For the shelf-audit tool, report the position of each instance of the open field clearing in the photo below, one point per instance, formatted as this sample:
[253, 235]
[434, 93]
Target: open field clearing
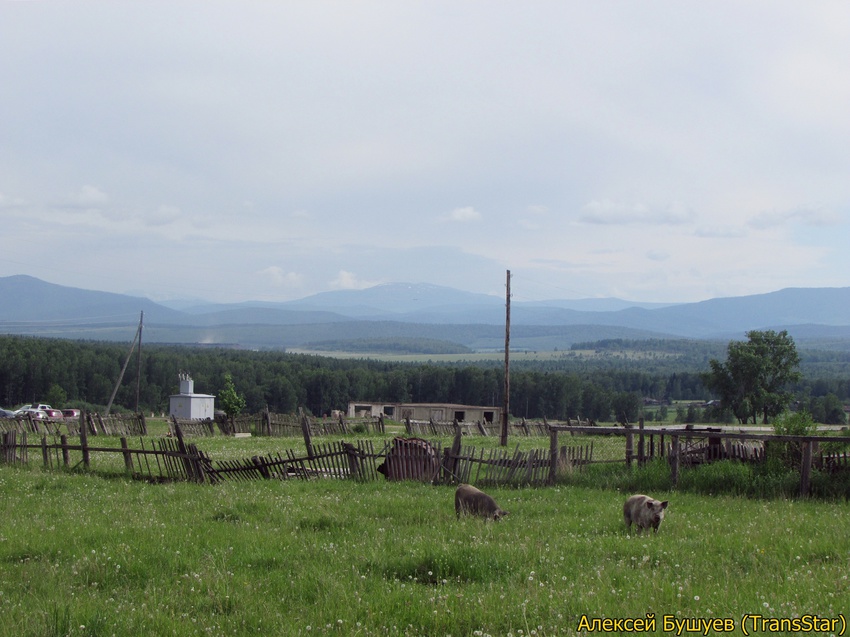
[85, 555]
[516, 356]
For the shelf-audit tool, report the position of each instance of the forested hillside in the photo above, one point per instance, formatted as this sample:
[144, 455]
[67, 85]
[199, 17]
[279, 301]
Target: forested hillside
[611, 383]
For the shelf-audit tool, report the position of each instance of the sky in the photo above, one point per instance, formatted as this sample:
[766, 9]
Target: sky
[660, 151]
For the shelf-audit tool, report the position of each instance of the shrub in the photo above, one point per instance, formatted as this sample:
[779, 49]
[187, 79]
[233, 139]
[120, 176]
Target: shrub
[798, 423]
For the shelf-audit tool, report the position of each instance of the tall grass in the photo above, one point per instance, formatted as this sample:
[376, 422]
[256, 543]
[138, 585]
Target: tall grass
[85, 555]
[770, 479]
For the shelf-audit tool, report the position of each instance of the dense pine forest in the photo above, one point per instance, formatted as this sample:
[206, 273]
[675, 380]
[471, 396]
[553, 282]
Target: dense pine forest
[609, 384]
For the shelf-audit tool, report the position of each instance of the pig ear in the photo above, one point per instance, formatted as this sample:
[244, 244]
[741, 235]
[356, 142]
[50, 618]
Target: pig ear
[664, 504]
[648, 504]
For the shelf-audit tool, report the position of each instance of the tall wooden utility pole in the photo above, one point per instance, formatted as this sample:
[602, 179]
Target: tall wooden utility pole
[138, 337]
[503, 441]
[139, 363]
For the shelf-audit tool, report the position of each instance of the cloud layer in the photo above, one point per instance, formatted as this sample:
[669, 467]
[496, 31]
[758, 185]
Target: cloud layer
[251, 150]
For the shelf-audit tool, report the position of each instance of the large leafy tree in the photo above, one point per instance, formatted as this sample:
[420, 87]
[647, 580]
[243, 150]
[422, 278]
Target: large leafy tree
[753, 380]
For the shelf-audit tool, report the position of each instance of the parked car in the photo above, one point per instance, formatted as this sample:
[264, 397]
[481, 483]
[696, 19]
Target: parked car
[35, 414]
[5, 413]
[70, 413]
[37, 406]
[53, 413]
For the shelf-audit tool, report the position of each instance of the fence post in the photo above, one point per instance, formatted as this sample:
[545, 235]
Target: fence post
[353, 461]
[806, 469]
[674, 460]
[84, 439]
[128, 459]
[641, 453]
[66, 456]
[553, 455]
[189, 466]
[305, 429]
[450, 456]
[630, 442]
[44, 453]
[197, 464]
[261, 467]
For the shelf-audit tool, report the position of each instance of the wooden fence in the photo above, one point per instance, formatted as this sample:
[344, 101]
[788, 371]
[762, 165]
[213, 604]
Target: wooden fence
[25, 423]
[694, 446]
[172, 458]
[94, 424]
[279, 425]
[479, 428]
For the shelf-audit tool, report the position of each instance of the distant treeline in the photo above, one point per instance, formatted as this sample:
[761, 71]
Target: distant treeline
[84, 374]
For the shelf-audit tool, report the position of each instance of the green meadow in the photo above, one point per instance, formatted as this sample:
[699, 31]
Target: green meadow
[89, 554]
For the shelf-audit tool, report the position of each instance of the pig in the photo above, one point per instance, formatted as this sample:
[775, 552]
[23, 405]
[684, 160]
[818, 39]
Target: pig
[468, 499]
[644, 511]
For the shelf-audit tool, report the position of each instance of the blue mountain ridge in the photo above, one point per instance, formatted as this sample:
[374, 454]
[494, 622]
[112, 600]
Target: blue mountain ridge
[28, 303]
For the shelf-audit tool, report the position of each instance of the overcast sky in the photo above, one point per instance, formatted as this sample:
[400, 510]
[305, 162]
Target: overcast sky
[229, 151]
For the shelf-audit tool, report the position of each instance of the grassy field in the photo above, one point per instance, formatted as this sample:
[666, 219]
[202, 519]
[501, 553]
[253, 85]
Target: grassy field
[490, 356]
[86, 555]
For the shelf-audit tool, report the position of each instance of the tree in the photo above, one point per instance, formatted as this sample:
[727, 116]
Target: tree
[791, 424]
[627, 406]
[752, 381]
[828, 410]
[230, 401]
[56, 396]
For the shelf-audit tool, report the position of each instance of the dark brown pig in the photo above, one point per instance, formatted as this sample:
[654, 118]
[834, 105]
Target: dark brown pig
[470, 500]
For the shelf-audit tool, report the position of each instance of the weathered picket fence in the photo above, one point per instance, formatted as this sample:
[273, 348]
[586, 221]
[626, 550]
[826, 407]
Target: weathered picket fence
[267, 423]
[478, 428]
[692, 446]
[172, 458]
[94, 423]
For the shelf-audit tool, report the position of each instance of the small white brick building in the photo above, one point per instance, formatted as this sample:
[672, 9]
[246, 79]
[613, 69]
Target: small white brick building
[188, 404]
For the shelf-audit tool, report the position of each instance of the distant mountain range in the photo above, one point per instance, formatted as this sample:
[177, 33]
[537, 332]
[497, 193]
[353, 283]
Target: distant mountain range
[818, 316]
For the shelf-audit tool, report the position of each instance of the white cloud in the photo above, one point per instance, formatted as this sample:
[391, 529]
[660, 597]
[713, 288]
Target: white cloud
[804, 216]
[721, 232]
[464, 215]
[90, 196]
[635, 146]
[162, 216]
[10, 202]
[607, 212]
[350, 281]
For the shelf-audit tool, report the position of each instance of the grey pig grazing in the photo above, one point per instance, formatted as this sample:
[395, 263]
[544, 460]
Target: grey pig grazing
[644, 511]
[468, 499]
